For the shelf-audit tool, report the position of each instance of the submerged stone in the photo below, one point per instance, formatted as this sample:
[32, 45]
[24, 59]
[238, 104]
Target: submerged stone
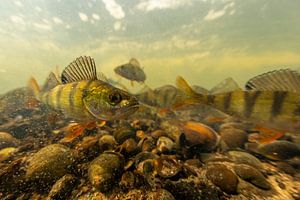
[49, 163]
[252, 175]
[222, 177]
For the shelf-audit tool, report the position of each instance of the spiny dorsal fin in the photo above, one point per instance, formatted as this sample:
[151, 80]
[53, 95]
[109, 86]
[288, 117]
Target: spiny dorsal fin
[277, 80]
[50, 82]
[184, 86]
[227, 85]
[83, 68]
[102, 77]
[134, 62]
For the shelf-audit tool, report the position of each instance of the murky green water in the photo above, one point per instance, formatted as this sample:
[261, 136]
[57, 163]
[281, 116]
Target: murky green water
[202, 40]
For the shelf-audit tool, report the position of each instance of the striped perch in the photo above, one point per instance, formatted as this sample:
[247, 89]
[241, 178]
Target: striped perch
[81, 96]
[271, 99]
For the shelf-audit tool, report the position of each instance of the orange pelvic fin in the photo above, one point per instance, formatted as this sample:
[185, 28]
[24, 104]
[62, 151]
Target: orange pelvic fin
[73, 131]
[265, 135]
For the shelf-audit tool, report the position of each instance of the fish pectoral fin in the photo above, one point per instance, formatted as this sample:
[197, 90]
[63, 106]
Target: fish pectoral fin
[265, 135]
[73, 130]
[83, 68]
[132, 83]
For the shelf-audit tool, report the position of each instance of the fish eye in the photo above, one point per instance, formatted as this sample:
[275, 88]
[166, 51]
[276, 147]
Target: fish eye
[114, 98]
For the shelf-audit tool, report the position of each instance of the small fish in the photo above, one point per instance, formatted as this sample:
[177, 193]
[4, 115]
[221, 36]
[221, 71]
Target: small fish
[162, 97]
[131, 71]
[82, 96]
[277, 150]
[276, 106]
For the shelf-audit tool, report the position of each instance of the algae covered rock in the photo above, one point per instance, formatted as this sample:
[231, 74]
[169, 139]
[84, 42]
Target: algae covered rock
[49, 163]
[222, 177]
[7, 140]
[252, 175]
[104, 169]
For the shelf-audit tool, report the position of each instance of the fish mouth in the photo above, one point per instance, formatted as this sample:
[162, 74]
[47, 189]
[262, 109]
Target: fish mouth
[129, 110]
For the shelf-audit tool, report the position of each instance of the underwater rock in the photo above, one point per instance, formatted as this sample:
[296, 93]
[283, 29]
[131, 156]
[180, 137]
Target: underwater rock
[159, 194]
[129, 146]
[6, 153]
[277, 150]
[158, 133]
[286, 168]
[62, 188]
[146, 144]
[252, 175]
[241, 157]
[165, 145]
[222, 177]
[234, 138]
[214, 157]
[49, 163]
[127, 180]
[195, 135]
[107, 142]
[123, 133]
[234, 125]
[147, 167]
[188, 189]
[135, 194]
[169, 167]
[105, 169]
[7, 140]
[87, 149]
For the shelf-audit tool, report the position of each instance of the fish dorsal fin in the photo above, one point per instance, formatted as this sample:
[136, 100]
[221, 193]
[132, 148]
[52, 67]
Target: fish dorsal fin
[83, 68]
[50, 82]
[102, 77]
[227, 85]
[277, 80]
[134, 62]
[184, 86]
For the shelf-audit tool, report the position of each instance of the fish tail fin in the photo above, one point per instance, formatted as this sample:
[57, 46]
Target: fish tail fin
[34, 86]
[188, 96]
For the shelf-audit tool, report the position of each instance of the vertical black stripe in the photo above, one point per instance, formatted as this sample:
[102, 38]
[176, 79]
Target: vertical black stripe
[250, 99]
[227, 101]
[278, 99]
[73, 92]
[211, 99]
[297, 110]
[58, 96]
[48, 101]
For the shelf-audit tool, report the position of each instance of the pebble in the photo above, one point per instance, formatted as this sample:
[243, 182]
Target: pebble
[160, 194]
[234, 138]
[49, 163]
[62, 188]
[222, 177]
[105, 169]
[241, 157]
[7, 140]
[165, 144]
[252, 175]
